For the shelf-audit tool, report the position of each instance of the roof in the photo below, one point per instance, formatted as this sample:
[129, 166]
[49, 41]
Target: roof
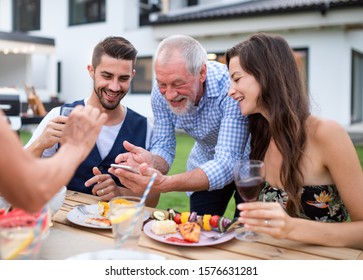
[20, 42]
[22, 37]
[251, 8]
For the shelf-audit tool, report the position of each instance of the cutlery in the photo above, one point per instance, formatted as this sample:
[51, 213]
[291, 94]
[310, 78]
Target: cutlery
[82, 208]
[216, 237]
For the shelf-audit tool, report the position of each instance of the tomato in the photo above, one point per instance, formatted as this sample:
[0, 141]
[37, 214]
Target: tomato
[177, 218]
[214, 221]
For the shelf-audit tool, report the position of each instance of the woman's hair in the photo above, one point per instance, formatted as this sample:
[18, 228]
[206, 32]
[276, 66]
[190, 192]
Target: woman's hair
[271, 61]
[115, 47]
[193, 53]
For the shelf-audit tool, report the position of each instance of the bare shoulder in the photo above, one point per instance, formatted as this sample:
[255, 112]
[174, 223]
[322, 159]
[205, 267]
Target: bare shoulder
[324, 131]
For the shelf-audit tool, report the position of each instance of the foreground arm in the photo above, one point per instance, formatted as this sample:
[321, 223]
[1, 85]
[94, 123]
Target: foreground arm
[28, 182]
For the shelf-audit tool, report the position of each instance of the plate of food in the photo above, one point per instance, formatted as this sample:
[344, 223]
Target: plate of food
[97, 217]
[189, 229]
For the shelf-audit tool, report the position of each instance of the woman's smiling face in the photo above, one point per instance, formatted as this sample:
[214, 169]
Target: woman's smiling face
[244, 88]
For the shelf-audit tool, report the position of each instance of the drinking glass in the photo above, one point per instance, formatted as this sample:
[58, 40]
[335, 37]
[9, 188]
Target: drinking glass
[21, 234]
[126, 215]
[249, 177]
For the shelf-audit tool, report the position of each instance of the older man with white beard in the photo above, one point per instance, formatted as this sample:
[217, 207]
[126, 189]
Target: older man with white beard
[191, 94]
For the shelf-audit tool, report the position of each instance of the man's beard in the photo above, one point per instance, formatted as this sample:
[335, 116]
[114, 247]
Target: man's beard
[105, 103]
[187, 109]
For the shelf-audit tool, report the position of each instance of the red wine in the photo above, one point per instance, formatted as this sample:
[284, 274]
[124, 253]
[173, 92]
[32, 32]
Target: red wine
[249, 188]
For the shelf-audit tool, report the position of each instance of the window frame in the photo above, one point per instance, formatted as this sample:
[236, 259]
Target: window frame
[305, 65]
[32, 20]
[220, 57]
[356, 99]
[74, 20]
[144, 75]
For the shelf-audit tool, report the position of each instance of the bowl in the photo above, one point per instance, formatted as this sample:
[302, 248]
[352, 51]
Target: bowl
[57, 201]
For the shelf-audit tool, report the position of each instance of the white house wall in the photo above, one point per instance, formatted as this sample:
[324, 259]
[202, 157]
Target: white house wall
[329, 44]
[74, 45]
[5, 15]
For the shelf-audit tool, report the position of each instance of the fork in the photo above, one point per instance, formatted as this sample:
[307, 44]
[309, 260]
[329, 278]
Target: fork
[216, 237]
[82, 208]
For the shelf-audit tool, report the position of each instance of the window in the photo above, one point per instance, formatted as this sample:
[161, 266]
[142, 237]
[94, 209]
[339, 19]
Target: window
[301, 57]
[143, 79]
[86, 11]
[26, 15]
[357, 88]
[146, 7]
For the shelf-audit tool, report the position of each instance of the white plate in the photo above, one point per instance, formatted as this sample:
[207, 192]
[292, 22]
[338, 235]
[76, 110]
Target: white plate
[116, 255]
[203, 238]
[76, 217]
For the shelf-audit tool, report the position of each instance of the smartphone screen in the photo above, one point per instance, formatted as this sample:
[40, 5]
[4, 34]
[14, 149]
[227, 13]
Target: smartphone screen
[126, 167]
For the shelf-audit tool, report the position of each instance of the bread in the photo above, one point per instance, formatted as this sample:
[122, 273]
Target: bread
[163, 227]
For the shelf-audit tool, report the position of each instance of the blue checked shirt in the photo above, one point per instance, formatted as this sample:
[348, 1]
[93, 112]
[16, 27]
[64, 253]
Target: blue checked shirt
[217, 126]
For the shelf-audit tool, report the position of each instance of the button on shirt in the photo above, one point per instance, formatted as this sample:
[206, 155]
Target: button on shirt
[217, 126]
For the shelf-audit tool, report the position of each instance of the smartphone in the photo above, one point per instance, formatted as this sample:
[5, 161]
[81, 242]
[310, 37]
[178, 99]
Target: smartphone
[126, 167]
[66, 111]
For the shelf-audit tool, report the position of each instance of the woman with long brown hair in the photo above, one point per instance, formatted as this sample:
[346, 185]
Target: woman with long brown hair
[312, 168]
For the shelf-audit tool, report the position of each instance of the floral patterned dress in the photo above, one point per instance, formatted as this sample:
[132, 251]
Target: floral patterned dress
[321, 203]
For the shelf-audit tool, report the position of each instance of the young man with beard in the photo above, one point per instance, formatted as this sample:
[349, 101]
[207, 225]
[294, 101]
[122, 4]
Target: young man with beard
[191, 94]
[112, 70]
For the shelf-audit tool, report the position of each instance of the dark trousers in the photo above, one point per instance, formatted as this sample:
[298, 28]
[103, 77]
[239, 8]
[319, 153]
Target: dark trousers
[214, 202]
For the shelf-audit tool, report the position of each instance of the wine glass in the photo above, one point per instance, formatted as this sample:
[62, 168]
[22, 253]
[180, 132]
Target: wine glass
[249, 177]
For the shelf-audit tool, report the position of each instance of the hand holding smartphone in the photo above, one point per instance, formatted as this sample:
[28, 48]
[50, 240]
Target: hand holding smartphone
[126, 167]
[66, 111]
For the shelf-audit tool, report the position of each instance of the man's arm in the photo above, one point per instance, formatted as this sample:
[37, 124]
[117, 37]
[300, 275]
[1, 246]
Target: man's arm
[47, 134]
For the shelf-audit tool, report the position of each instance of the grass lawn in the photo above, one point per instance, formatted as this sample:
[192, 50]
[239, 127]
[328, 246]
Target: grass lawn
[359, 150]
[179, 200]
